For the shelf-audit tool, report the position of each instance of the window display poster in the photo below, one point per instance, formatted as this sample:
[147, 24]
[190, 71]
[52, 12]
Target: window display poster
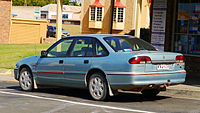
[197, 9]
[158, 24]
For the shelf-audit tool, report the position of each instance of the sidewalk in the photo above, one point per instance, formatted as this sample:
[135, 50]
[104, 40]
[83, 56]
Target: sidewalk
[191, 87]
[7, 75]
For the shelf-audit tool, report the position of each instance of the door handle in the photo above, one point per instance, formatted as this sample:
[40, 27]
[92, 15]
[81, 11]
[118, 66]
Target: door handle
[86, 61]
[61, 61]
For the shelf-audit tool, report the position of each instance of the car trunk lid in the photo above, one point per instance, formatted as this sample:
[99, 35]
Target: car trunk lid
[160, 61]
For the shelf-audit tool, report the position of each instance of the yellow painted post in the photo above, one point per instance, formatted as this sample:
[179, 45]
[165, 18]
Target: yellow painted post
[138, 18]
[59, 19]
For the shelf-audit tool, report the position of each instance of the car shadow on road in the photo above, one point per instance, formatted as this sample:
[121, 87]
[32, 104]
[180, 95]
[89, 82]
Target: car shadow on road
[135, 97]
[84, 94]
[192, 79]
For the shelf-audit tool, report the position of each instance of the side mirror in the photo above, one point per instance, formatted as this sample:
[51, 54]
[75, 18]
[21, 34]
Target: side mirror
[44, 53]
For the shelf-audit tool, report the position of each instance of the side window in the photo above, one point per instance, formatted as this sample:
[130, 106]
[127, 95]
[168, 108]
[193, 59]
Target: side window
[100, 50]
[113, 43]
[61, 49]
[82, 47]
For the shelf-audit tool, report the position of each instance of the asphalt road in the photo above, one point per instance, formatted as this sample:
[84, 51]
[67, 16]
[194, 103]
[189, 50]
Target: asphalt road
[68, 100]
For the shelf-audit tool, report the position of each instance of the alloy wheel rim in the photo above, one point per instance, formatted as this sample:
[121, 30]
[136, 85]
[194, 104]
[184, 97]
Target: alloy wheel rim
[96, 87]
[25, 80]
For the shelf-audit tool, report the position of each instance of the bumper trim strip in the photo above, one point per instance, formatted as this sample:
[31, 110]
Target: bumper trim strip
[145, 74]
[61, 73]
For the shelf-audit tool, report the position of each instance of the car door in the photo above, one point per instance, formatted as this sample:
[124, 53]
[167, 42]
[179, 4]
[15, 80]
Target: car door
[50, 69]
[78, 62]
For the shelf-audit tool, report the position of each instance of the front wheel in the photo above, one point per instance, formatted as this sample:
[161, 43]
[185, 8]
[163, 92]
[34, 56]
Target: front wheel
[26, 80]
[98, 87]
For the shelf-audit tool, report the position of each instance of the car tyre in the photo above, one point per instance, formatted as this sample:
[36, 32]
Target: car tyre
[150, 92]
[26, 80]
[98, 87]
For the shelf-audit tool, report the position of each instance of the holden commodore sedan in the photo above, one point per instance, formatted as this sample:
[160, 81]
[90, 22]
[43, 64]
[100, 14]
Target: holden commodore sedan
[104, 64]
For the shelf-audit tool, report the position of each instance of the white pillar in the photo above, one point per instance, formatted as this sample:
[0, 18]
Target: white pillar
[138, 18]
[59, 19]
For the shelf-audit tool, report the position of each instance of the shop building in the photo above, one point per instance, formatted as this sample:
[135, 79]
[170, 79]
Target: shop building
[127, 16]
[175, 27]
[70, 14]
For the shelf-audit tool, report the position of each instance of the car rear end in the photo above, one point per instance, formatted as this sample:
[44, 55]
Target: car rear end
[155, 70]
[159, 69]
[144, 68]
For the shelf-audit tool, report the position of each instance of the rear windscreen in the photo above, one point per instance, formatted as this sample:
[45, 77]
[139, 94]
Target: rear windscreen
[127, 44]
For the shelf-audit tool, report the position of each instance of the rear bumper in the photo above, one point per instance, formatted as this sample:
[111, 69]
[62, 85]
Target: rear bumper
[139, 80]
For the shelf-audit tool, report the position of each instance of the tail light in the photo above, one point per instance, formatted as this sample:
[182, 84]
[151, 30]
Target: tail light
[180, 59]
[140, 60]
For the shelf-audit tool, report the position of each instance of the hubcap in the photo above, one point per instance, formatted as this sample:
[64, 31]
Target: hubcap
[96, 87]
[25, 80]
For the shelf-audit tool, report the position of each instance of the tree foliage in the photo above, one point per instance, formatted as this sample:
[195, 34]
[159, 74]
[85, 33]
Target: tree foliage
[66, 2]
[41, 2]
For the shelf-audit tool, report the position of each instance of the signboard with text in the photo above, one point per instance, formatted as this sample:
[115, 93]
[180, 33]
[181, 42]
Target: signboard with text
[158, 24]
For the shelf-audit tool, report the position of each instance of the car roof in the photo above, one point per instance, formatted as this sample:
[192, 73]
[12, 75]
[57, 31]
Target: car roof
[100, 35]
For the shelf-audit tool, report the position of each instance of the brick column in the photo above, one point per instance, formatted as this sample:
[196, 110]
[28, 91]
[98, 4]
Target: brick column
[5, 19]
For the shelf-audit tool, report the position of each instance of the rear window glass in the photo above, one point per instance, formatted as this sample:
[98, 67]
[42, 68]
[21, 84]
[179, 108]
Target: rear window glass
[127, 44]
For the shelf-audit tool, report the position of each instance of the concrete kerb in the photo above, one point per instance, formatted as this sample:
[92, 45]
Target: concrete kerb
[6, 71]
[186, 90]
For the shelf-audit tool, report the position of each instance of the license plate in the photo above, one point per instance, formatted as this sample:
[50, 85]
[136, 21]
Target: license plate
[163, 67]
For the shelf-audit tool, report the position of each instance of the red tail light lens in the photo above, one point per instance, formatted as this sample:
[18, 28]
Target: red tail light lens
[180, 59]
[140, 60]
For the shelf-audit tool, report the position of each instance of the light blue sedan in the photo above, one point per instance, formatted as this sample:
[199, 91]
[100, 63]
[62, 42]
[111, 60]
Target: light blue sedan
[105, 64]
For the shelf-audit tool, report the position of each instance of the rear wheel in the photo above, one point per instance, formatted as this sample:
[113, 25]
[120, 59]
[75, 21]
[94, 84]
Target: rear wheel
[98, 87]
[26, 79]
[150, 92]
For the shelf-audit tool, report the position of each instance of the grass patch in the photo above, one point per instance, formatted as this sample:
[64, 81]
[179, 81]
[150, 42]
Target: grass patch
[11, 53]
[72, 29]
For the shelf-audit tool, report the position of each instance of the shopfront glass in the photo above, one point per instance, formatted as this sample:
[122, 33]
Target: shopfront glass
[187, 33]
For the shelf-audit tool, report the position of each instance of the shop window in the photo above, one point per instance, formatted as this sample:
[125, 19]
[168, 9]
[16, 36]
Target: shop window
[118, 15]
[115, 15]
[43, 16]
[99, 13]
[65, 16]
[96, 15]
[187, 31]
[92, 13]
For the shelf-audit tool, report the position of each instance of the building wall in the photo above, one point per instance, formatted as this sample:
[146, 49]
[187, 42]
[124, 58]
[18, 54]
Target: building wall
[28, 31]
[191, 61]
[5, 15]
[129, 22]
[169, 21]
[145, 20]
[52, 15]
[26, 12]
